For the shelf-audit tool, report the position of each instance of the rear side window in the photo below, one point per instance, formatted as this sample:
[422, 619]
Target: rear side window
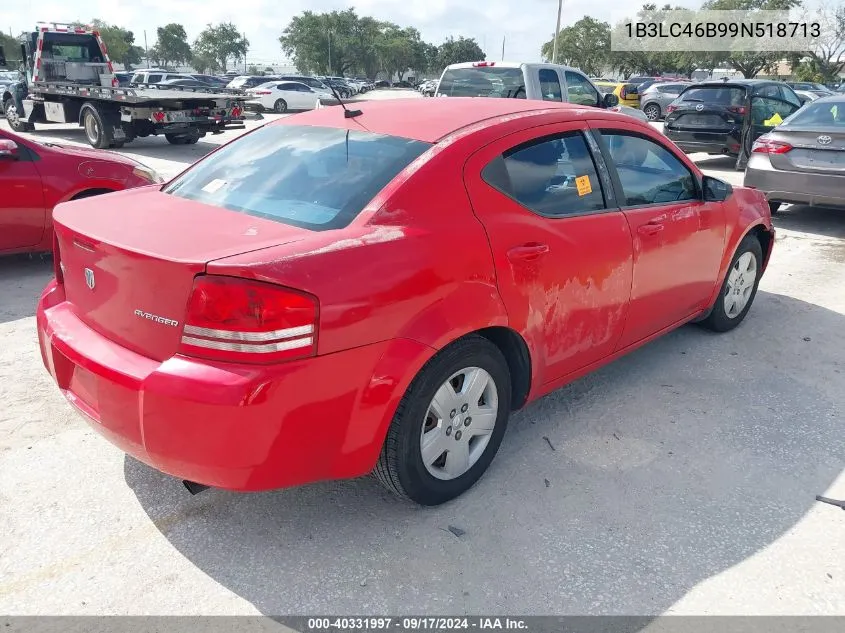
[672, 90]
[484, 81]
[718, 95]
[153, 79]
[312, 177]
[553, 176]
[550, 85]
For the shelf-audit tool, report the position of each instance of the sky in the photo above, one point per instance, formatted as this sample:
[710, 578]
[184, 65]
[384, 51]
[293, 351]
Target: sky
[524, 24]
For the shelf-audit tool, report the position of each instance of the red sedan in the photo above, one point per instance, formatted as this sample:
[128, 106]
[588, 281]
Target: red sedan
[38, 176]
[332, 295]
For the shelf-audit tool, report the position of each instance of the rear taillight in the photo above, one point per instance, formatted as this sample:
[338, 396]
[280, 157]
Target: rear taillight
[671, 108]
[623, 93]
[240, 320]
[737, 109]
[483, 64]
[767, 146]
[261, 92]
[57, 260]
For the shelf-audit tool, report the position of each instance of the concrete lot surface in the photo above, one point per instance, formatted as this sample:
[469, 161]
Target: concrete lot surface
[680, 479]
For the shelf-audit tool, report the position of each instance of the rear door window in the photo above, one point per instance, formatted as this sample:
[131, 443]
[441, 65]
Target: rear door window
[312, 177]
[483, 81]
[153, 79]
[554, 176]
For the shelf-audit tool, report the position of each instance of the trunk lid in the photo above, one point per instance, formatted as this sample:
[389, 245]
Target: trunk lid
[129, 260]
[814, 149]
[715, 109]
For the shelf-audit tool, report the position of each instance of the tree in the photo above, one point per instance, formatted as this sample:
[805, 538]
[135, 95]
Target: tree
[269, 70]
[749, 63]
[203, 64]
[327, 43]
[221, 43]
[253, 70]
[400, 50]
[172, 46]
[120, 42]
[826, 60]
[584, 45]
[12, 50]
[455, 51]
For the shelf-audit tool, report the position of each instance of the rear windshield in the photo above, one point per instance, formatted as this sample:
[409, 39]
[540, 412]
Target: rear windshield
[489, 81]
[312, 177]
[826, 114]
[716, 95]
[606, 89]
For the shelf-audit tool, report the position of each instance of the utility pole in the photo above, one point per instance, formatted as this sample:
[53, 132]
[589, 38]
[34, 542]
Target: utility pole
[329, 33]
[146, 50]
[503, 48]
[557, 31]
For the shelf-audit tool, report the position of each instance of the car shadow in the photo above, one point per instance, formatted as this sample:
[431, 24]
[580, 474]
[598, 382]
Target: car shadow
[817, 220]
[22, 278]
[615, 495]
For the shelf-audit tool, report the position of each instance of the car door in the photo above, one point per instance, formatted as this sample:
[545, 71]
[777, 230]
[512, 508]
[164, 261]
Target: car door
[678, 238]
[23, 213]
[561, 247]
[769, 108]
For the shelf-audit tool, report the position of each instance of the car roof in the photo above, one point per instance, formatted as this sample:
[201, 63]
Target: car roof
[430, 120]
[508, 65]
[744, 83]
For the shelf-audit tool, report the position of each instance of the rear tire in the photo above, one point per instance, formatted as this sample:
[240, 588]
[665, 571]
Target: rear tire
[652, 111]
[457, 453]
[190, 138]
[738, 290]
[280, 106]
[93, 123]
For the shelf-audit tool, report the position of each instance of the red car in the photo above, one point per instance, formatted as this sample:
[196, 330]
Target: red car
[36, 177]
[335, 294]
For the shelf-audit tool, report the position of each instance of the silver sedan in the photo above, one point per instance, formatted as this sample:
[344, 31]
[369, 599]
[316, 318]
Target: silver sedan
[803, 159]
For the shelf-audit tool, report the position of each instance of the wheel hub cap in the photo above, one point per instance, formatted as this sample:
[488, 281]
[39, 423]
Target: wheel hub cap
[459, 423]
[740, 285]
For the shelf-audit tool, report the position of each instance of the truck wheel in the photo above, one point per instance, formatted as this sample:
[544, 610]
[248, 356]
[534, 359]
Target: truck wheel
[14, 120]
[96, 131]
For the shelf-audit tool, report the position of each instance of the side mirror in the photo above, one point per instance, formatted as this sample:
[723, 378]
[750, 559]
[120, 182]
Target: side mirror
[8, 149]
[716, 190]
[610, 100]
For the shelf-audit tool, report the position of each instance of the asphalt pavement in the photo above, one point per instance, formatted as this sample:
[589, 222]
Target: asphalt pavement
[680, 479]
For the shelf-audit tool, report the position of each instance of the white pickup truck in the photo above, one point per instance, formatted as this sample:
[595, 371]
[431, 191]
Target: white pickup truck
[542, 82]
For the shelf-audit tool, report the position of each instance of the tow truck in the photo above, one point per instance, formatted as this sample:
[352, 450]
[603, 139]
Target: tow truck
[67, 77]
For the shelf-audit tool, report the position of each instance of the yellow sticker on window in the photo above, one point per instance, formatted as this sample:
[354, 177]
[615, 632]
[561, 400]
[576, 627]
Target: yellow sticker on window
[774, 121]
[584, 186]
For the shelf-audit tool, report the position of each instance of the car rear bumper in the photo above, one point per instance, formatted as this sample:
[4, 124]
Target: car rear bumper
[240, 427]
[709, 142]
[797, 187]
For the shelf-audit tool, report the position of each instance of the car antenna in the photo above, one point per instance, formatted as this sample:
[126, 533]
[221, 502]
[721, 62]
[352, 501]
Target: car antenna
[347, 113]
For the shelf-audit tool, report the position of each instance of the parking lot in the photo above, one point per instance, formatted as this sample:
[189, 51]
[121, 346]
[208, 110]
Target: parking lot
[680, 479]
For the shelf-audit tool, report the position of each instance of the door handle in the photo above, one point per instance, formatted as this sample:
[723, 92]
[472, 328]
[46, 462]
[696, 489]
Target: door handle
[527, 252]
[650, 229]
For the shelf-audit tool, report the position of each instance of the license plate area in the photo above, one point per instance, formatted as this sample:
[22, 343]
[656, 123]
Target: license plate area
[83, 386]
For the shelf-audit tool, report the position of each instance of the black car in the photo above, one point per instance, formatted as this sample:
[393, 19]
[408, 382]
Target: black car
[726, 117]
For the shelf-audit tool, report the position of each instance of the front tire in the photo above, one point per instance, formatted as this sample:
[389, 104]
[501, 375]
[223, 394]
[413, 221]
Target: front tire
[13, 118]
[449, 425]
[739, 287]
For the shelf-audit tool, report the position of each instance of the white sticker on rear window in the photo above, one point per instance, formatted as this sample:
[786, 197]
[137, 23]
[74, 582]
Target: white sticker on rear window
[214, 185]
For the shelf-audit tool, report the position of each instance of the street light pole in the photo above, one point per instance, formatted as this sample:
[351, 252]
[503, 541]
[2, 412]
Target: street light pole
[557, 31]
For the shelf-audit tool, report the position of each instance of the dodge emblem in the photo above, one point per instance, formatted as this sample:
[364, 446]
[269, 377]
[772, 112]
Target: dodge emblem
[824, 139]
[89, 278]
